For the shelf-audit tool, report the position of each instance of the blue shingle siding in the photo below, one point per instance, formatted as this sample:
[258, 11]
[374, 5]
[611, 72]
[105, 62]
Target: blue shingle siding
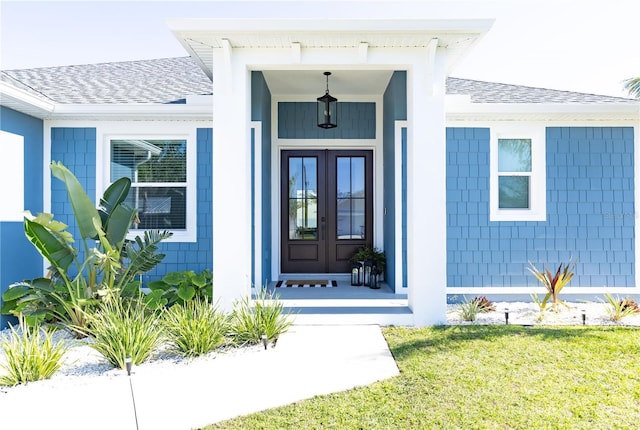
[76, 149]
[394, 109]
[196, 256]
[590, 211]
[298, 120]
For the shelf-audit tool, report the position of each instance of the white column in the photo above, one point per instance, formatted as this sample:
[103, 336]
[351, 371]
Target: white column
[426, 191]
[231, 179]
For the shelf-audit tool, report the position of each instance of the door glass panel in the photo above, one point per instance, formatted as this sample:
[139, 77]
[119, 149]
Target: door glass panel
[303, 198]
[350, 204]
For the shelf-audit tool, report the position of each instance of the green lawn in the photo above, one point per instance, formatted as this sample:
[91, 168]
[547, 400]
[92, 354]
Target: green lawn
[478, 377]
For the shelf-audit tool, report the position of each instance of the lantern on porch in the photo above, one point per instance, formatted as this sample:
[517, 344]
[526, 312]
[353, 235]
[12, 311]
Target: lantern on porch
[327, 108]
[367, 268]
[356, 274]
[374, 279]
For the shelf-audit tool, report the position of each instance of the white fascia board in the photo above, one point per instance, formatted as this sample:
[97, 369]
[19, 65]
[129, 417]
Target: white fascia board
[256, 25]
[133, 111]
[459, 109]
[16, 95]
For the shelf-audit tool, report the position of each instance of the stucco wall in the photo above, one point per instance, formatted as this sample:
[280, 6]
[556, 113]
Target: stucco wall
[590, 207]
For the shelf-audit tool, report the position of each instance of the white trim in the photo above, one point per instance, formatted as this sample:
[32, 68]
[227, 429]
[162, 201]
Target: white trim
[398, 126]
[540, 290]
[12, 177]
[538, 183]
[153, 131]
[636, 184]
[280, 144]
[257, 210]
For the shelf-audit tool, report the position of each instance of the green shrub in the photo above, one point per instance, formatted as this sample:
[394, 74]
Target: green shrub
[265, 315]
[469, 310]
[620, 308]
[195, 327]
[553, 283]
[125, 328]
[484, 304]
[30, 355]
[180, 287]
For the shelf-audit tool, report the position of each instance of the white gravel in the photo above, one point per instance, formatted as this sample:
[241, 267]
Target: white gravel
[522, 313]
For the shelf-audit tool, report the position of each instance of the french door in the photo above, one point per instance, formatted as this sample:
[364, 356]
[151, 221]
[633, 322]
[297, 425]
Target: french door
[327, 209]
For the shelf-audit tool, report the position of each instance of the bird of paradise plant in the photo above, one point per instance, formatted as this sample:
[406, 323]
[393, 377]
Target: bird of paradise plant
[553, 283]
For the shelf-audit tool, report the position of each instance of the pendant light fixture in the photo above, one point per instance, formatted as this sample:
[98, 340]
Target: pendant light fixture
[327, 108]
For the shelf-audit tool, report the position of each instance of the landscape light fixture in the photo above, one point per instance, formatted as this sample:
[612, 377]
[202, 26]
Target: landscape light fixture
[506, 316]
[584, 317]
[128, 362]
[327, 108]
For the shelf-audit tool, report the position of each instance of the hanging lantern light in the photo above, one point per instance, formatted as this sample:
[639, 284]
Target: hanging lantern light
[327, 108]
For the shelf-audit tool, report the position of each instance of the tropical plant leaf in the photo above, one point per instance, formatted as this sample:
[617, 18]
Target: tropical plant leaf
[15, 292]
[186, 292]
[57, 252]
[83, 208]
[155, 300]
[113, 196]
[633, 86]
[118, 225]
[142, 253]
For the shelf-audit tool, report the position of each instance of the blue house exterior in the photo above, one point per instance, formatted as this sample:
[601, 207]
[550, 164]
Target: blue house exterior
[468, 181]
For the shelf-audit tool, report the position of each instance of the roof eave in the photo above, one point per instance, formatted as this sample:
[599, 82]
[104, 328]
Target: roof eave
[23, 101]
[457, 109]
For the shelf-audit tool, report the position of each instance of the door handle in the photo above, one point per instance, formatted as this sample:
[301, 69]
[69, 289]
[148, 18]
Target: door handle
[322, 227]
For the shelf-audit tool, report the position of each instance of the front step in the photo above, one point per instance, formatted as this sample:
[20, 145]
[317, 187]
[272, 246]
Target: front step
[349, 312]
[352, 316]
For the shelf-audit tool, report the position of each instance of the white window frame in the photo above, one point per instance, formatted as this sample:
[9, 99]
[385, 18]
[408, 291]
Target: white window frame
[537, 210]
[189, 234]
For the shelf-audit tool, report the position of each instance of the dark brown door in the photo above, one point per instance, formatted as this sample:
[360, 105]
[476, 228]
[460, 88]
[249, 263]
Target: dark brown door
[327, 209]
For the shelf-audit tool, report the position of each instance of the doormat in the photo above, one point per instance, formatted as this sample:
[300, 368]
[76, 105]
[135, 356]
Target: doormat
[306, 283]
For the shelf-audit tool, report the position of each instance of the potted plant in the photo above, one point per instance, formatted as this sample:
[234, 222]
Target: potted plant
[373, 256]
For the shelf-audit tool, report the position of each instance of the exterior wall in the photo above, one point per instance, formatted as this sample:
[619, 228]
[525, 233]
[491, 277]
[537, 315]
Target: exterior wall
[18, 259]
[395, 108]
[590, 207]
[297, 120]
[261, 111]
[196, 256]
[76, 148]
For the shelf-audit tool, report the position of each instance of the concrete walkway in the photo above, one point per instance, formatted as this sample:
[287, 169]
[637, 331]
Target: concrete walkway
[308, 361]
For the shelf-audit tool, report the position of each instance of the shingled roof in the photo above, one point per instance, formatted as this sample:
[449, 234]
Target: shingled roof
[171, 80]
[167, 80]
[492, 92]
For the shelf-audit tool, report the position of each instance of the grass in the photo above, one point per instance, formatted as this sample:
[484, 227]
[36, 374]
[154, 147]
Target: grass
[477, 377]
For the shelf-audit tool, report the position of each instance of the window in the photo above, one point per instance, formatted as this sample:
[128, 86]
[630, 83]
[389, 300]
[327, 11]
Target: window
[162, 173]
[518, 180]
[350, 196]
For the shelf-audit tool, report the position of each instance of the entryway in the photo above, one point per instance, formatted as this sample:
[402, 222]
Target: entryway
[326, 210]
